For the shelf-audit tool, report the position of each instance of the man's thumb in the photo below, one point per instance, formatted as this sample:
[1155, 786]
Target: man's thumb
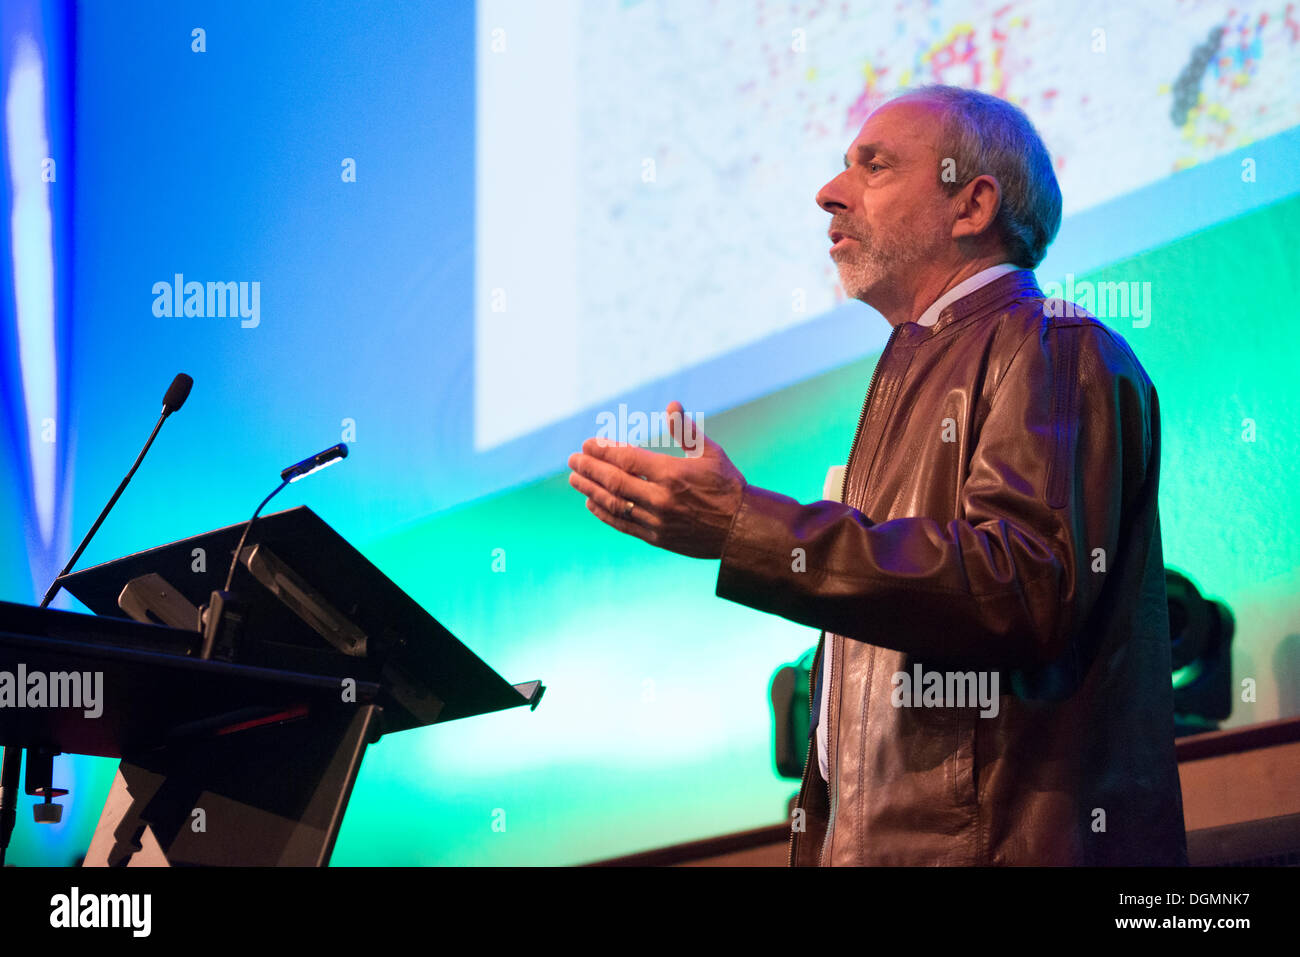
[686, 430]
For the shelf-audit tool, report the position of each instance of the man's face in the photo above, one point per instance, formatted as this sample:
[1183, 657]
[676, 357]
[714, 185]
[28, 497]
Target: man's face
[888, 204]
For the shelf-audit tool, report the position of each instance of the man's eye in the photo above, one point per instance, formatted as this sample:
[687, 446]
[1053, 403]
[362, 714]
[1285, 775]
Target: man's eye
[874, 166]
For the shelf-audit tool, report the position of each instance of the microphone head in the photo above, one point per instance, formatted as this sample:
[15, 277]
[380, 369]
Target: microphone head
[177, 393]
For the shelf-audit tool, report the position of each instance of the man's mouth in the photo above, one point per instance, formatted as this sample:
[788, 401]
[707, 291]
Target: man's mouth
[840, 240]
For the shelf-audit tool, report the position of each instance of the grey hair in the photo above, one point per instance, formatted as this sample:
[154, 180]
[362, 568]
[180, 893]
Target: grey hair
[983, 134]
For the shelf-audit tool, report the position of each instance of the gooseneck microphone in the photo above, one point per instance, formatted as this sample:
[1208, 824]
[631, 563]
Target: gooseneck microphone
[11, 765]
[293, 473]
[222, 619]
[176, 395]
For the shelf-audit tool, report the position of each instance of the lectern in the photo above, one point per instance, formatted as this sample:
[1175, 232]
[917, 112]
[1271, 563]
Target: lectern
[248, 758]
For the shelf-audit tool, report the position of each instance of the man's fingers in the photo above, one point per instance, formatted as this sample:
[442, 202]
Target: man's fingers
[613, 504]
[630, 458]
[616, 480]
[622, 524]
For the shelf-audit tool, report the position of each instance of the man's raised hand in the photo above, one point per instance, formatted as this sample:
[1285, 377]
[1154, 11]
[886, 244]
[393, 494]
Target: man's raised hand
[685, 505]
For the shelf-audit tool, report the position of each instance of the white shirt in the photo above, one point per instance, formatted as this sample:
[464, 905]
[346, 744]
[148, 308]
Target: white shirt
[833, 490]
[963, 288]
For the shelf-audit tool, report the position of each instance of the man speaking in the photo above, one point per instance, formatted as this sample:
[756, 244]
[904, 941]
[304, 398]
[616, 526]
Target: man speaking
[998, 529]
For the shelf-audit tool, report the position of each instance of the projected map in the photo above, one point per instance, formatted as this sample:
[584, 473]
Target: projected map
[701, 131]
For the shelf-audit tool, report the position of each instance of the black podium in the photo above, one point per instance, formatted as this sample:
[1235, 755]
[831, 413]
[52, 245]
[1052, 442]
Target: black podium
[249, 760]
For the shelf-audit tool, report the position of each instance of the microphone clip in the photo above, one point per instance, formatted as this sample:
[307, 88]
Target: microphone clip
[223, 622]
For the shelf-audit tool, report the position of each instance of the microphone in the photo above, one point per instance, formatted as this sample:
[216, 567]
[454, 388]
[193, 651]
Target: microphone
[176, 395]
[11, 764]
[222, 619]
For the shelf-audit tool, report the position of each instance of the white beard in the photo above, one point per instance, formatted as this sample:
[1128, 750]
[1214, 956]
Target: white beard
[866, 264]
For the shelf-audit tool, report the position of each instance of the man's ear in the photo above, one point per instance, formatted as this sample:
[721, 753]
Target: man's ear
[977, 207]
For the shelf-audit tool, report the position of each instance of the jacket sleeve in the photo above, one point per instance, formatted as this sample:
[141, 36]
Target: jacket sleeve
[1067, 441]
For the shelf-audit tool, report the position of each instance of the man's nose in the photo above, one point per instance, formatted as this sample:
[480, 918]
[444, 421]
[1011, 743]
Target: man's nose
[830, 197]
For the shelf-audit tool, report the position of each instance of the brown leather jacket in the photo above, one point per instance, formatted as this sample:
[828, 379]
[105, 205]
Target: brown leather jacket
[1001, 518]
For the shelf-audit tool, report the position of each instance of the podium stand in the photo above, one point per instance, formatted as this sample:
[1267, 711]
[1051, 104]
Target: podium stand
[227, 800]
[249, 760]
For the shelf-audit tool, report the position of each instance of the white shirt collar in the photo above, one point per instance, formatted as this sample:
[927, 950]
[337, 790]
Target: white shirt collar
[964, 288]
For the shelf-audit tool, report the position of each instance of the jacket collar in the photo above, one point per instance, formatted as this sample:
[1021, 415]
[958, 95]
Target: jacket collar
[1001, 292]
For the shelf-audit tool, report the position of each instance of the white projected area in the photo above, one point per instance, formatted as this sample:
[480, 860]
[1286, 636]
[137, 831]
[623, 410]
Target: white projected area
[647, 170]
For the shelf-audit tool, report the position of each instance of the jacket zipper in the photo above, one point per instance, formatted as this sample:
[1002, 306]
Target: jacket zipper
[807, 761]
[862, 418]
[831, 740]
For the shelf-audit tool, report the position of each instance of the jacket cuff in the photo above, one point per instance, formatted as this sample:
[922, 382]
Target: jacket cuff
[756, 555]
